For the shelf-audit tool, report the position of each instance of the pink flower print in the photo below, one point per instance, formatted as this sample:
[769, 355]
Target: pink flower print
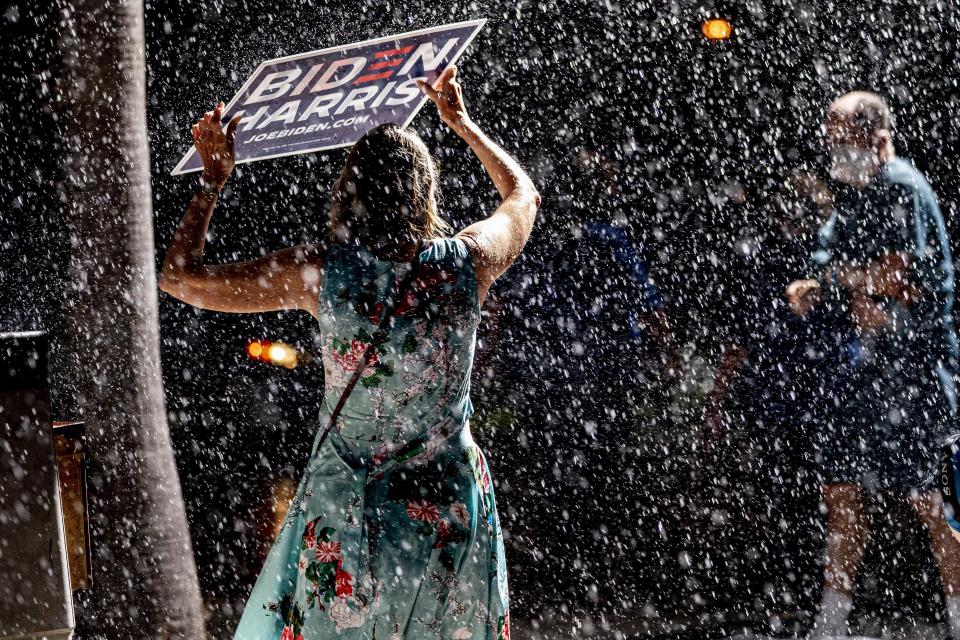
[423, 510]
[381, 455]
[484, 479]
[443, 534]
[349, 360]
[460, 511]
[344, 584]
[309, 535]
[302, 565]
[288, 634]
[328, 551]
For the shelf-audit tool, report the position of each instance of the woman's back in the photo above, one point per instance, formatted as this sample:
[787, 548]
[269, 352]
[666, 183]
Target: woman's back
[419, 375]
[377, 542]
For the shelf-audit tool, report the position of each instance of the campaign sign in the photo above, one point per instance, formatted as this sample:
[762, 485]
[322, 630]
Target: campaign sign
[330, 98]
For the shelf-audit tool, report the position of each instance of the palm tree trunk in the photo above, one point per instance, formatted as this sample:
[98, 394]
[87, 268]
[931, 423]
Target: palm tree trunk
[107, 354]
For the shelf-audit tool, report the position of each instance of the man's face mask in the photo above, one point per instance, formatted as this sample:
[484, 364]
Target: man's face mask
[853, 165]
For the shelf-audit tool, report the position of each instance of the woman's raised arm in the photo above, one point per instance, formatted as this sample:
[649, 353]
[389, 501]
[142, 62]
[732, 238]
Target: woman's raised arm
[286, 279]
[494, 242]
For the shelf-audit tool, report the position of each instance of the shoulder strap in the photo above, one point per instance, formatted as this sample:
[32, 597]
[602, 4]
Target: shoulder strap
[402, 288]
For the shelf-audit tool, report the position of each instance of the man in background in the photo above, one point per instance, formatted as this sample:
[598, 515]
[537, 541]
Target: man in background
[619, 357]
[774, 389]
[886, 262]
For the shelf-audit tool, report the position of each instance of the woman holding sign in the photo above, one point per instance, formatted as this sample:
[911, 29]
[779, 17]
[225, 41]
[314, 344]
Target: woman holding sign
[393, 532]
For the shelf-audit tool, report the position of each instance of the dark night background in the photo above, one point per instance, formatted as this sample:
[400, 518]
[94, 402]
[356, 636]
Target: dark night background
[678, 122]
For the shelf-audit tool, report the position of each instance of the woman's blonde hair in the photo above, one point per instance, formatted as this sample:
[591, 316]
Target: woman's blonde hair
[387, 189]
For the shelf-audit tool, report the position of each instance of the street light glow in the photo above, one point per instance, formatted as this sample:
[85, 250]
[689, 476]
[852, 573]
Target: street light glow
[278, 353]
[282, 355]
[717, 29]
[255, 349]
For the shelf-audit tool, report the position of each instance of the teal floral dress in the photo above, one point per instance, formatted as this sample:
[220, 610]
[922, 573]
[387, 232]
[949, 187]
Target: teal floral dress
[393, 531]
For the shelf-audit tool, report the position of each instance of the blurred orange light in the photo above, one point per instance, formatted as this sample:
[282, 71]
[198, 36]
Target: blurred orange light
[255, 349]
[282, 355]
[717, 29]
[277, 353]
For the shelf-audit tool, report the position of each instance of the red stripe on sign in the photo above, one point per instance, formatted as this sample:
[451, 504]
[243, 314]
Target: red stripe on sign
[392, 52]
[384, 63]
[370, 77]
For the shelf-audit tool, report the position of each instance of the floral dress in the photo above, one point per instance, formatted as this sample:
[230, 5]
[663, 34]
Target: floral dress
[393, 531]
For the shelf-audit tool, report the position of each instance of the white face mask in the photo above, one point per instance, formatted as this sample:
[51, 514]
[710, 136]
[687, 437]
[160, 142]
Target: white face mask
[852, 165]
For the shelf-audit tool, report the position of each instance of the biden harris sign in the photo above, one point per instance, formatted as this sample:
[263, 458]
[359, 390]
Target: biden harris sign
[330, 98]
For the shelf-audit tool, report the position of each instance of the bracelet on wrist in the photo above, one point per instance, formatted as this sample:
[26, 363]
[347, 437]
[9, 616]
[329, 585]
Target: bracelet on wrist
[208, 186]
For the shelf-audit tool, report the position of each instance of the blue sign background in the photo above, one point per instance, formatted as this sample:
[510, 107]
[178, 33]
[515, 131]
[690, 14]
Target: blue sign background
[307, 102]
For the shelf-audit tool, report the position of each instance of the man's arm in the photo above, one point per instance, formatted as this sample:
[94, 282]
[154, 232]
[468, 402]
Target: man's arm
[890, 276]
[731, 358]
[931, 271]
[651, 314]
[657, 325]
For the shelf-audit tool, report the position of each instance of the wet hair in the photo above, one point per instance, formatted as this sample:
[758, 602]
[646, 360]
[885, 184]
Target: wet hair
[868, 111]
[387, 191]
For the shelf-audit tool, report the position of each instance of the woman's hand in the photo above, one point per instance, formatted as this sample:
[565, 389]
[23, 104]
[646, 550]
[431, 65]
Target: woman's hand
[495, 242]
[216, 146]
[449, 99]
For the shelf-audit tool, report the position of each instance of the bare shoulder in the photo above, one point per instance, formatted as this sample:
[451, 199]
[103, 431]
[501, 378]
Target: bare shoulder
[303, 262]
[495, 242]
[481, 267]
[474, 246]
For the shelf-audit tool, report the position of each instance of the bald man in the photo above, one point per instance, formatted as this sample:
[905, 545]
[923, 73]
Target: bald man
[886, 260]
